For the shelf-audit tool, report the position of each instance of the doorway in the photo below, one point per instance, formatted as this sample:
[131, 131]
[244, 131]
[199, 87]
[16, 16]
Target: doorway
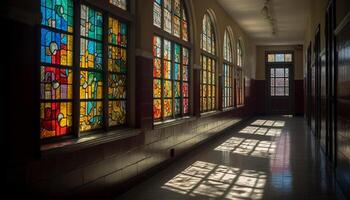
[279, 75]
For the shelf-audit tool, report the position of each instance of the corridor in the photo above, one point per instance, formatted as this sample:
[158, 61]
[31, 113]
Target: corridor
[264, 158]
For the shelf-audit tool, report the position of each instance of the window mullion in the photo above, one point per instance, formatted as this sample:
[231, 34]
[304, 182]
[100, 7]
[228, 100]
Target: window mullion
[105, 71]
[76, 69]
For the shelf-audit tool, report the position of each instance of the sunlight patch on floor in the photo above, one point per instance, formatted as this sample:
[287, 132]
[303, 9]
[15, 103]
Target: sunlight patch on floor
[248, 147]
[218, 181]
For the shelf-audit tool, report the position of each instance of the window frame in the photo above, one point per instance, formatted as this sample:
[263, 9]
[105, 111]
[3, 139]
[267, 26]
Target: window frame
[229, 64]
[108, 10]
[287, 65]
[212, 56]
[239, 76]
[164, 35]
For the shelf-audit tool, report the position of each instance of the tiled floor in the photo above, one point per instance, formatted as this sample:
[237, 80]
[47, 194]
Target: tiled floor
[266, 158]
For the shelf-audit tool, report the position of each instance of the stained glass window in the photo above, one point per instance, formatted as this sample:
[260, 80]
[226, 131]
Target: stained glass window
[208, 36]
[170, 16]
[119, 3]
[91, 75]
[227, 100]
[56, 74]
[279, 57]
[117, 69]
[170, 61]
[208, 67]
[171, 76]
[239, 80]
[100, 86]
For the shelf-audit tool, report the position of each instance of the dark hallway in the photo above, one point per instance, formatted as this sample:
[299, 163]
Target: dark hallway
[176, 99]
[264, 158]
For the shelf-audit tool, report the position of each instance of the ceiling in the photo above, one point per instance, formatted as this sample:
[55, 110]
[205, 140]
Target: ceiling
[291, 20]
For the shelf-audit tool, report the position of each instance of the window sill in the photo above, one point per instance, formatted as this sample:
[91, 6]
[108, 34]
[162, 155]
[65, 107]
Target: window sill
[211, 113]
[172, 122]
[88, 141]
[228, 109]
[240, 106]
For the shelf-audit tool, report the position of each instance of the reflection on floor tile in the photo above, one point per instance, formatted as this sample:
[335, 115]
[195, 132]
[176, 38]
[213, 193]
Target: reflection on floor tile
[267, 158]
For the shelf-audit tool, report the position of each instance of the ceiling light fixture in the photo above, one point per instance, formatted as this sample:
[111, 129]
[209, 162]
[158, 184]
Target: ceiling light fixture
[266, 11]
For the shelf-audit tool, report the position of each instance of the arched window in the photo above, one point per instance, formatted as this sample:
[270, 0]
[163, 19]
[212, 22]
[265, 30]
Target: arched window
[171, 61]
[227, 100]
[79, 80]
[239, 75]
[119, 3]
[170, 16]
[208, 66]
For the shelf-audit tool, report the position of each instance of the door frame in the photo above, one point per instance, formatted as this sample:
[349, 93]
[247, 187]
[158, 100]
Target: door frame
[291, 65]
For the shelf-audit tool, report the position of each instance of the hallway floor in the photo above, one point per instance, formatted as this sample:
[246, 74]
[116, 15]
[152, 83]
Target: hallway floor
[264, 158]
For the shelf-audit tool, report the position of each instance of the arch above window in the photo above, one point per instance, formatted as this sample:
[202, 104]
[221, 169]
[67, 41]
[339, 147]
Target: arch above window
[170, 15]
[123, 4]
[228, 83]
[228, 55]
[208, 40]
[208, 61]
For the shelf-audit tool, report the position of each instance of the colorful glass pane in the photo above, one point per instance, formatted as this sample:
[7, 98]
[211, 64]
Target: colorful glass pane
[56, 48]
[119, 3]
[167, 50]
[167, 89]
[185, 73]
[177, 87]
[227, 47]
[55, 119]
[177, 53]
[288, 58]
[157, 91]
[56, 83]
[167, 69]
[185, 105]
[271, 57]
[168, 107]
[185, 56]
[157, 71]
[117, 32]
[117, 59]
[57, 14]
[167, 21]
[91, 23]
[185, 89]
[90, 54]
[177, 24]
[184, 26]
[157, 108]
[167, 4]
[177, 71]
[279, 57]
[177, 7]
[116, 86]
[157, 47]
[91, 114]
[157, 15]
[177, 110]
[90, 85]
[116, 113]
